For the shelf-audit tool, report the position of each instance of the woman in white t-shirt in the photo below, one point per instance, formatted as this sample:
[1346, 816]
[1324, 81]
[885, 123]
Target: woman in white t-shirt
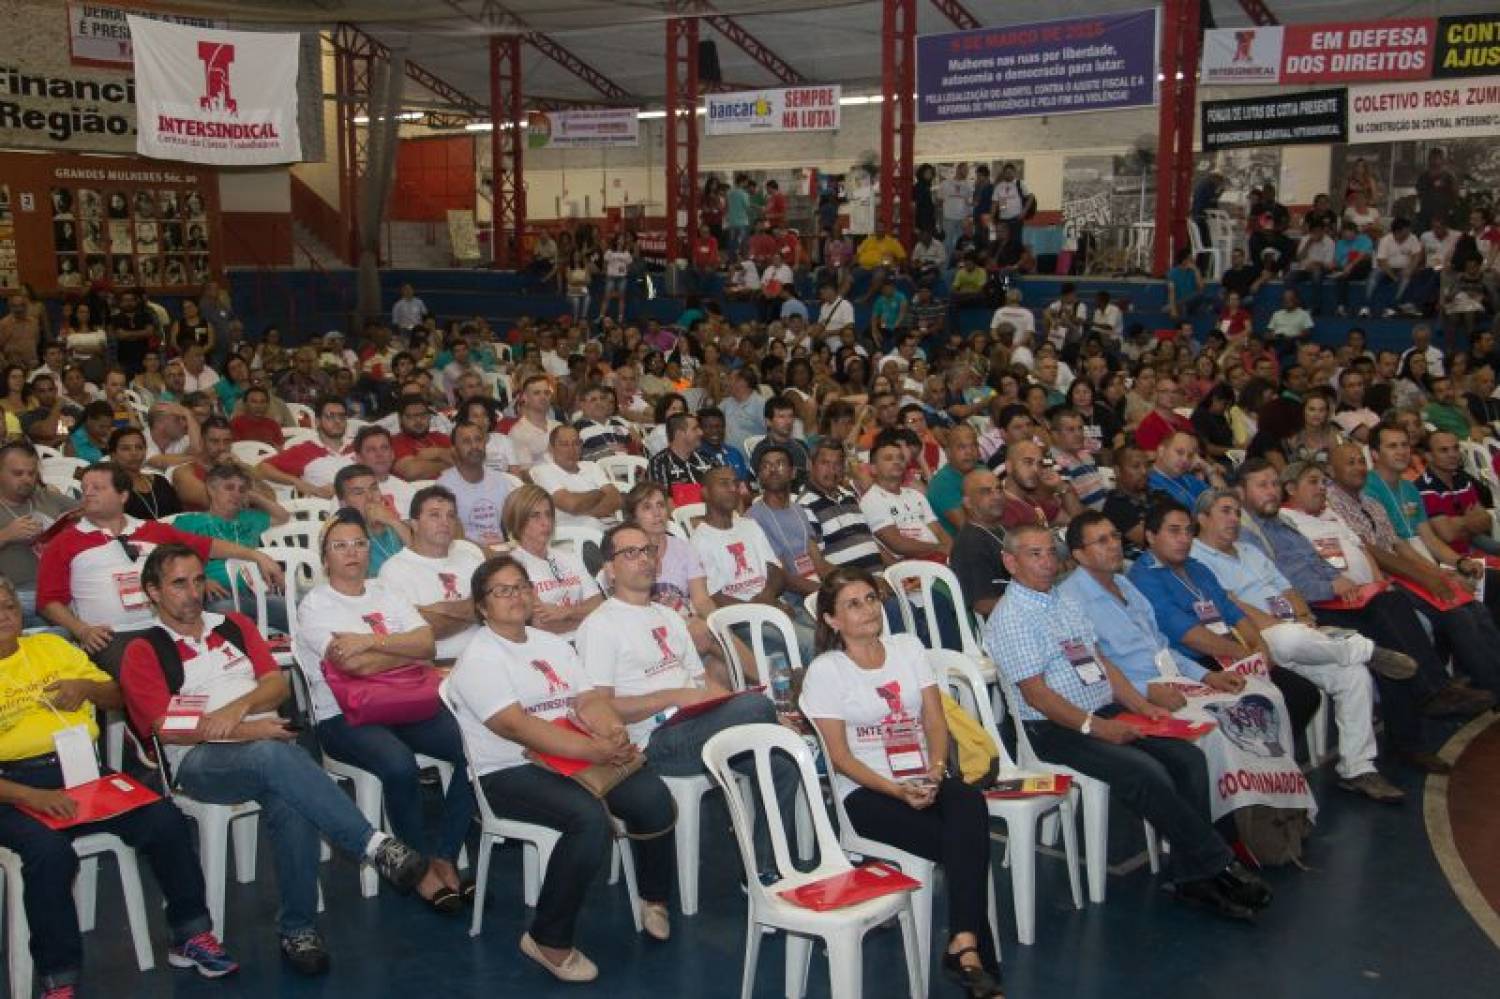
[876, 703]
[512, 689]
[566, 591]
[617, 261]
[354, 625]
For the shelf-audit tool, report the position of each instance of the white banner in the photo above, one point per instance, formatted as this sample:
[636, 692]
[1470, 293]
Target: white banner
[1249, 751]
[221, 97]
[1432, 109]
[584, 127]
[99, 35]
[1242, 55]
[790, 109]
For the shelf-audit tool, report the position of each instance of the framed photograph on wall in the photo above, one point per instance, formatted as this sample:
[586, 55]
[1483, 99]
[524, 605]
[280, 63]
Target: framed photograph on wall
[173, 239]
[90, 203]
[121, 237]
[195, 206]
[117, 205]
[145, 205]
[67, 271]
[174, 271]
[95, 267]
[122, 270]
[148, 271]
[168, 204]
[197, 237]
[200, 270]
[146, 237]
[65, 236]
[93, 235]
[62, 203]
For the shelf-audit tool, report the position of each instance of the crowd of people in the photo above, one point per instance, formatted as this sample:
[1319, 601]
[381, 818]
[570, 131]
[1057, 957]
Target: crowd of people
[543, 516]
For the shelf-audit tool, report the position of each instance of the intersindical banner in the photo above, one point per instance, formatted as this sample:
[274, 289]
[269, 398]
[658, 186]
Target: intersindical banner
[1095, 63]
[221, 97]
[1338, 52]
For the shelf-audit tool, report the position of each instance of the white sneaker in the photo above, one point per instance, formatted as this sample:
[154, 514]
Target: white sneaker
[1355, 650]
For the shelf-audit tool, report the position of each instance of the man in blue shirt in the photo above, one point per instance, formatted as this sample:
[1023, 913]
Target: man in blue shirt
[1196, 615]
[744, 409]
[1123, 618]
[1178, 473]
[1066, 693]
[1334, 662]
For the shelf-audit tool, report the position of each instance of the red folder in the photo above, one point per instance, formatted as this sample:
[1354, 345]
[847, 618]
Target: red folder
[850, 888]
[104, 798]
[565, 765]
[1054, 785]
[1432, 599]
[1165, 728]
[1356, 600]
[703, 707]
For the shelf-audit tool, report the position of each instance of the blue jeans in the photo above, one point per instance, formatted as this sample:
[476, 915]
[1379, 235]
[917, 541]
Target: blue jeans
[677, 751]
[530, 794]
[300, 803]
[389, 752]
[158, 831]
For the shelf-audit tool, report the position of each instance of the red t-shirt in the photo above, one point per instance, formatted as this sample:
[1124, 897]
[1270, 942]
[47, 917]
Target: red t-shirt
[92, 571]
[405, 445]
[1155, 429]
[145, 686]
[763, 247]
[776, 209]
[257, 428]
[705, 252]
[791, 249]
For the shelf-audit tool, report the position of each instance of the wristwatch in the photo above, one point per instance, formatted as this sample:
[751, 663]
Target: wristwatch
[1087, 728]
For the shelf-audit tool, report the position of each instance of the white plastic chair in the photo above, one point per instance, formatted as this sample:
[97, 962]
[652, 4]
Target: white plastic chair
[513, 480]
[252, 452]
[574, 537]
[303, 415]
[85, 891]
[751, 443]
[687, 517]
[913, 866]
[293, 534]
[624, 470]
[1020, 815]
[537, 843]
[297, 435]
[44, 451]
[58, 471]
[842, 930]
[1095, 797]
[925, 575]
[308, 508]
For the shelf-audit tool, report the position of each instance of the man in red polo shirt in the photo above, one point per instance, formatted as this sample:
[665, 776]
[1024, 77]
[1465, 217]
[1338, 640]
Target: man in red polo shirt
[88, 579]
[1163, 421]
[1457, 505]
[309, 467]
[421, 452]
[252, 423]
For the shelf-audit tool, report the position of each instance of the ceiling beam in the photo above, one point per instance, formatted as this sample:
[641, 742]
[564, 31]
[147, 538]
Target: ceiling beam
[350, 36]
[744, 40]
[1259, 13]
[497, 15]
[957, 13]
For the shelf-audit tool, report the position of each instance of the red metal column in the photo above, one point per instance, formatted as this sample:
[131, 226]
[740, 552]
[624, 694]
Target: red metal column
[682, 135]
[354, 61]
[507, 142]
[1167, 121]
[1187, 120]
[898, 82]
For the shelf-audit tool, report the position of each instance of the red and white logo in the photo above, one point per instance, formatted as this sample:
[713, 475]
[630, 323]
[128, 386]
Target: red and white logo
[376, 621]
[1243, 41]
[660, 634]
[741, 562]
[555, 683]
[891, 694]
[450, 585]
[217, 96]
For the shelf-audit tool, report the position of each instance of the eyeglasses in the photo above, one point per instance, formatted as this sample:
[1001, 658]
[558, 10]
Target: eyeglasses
[351, 545]
[635, 552]
[1111, 536]
[507, 591]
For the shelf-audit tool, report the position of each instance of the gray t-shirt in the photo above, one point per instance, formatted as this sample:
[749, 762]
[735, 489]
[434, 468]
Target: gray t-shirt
[18, 558]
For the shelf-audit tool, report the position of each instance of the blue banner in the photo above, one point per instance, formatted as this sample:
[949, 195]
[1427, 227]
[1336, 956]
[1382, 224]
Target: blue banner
[1094, 63]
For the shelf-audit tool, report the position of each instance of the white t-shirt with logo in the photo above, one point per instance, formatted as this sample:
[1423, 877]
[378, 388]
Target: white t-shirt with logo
[868, 700]
[423, 580]
[552, 477]
[560, 579]
[479, 504]
[398, 494]
[325, 611]
[542, 675]
[638, 650]
[908, 511]
[736, 561]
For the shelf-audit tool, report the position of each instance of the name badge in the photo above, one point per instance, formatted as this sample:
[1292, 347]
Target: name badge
[904, 752]
[1332, 552]
[1081, 658]
[1209, 617]
[75, 755]
[1281, 608]
[128, 587]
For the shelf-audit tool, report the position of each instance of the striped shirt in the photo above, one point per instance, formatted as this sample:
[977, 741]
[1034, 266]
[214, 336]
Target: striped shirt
[841, 529]
[601, 439]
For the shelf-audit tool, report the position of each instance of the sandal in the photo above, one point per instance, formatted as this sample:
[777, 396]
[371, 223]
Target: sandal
[445, 900]
[978, 982]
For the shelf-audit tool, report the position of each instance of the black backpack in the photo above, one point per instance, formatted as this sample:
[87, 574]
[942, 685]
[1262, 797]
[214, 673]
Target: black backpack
[170, 660]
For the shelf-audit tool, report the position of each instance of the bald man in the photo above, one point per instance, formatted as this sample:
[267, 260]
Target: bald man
[978, 547]
[1033, 491]
[945, 491]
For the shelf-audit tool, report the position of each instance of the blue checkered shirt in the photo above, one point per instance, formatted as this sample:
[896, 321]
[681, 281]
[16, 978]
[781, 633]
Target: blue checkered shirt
[1024, 637]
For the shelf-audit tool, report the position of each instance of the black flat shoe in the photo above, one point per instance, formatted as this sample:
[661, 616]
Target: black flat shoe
[1205, 893]
[445, 900]
[978, 982]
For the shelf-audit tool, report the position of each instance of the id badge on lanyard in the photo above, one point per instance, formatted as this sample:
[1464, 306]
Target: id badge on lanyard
[1081, 658]
[1281, 608]
[128, 587]
[1208, 616]
[904, 751]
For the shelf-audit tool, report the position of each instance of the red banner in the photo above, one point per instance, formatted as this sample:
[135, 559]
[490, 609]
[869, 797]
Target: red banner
[1396, 49]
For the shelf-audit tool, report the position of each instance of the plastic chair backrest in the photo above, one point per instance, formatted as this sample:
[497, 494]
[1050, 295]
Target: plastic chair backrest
[850, 836]
[486, 814]
[251, 452]
[302, 414]
[307, 509]
[623, 469]
[956, 672]
[303, 571]
[293, 534]
[761, 740]
[573, 538]
[240, 570]
[512, 479]
[1011, 698]
[751, 443]
[927, 574]
[687, 516]
[757, 617]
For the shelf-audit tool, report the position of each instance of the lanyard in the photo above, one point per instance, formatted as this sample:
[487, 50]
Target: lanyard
[1406, 530]
[1182, 578]
[1178, 491]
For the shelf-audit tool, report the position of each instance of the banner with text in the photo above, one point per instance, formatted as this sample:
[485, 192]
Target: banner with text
[1317, 116]
[209, 96]
[585, 127]
[100, 35]
[791, 109]
[1339, 52]
[1467, 45]
[1436, 109]
[1051, 67]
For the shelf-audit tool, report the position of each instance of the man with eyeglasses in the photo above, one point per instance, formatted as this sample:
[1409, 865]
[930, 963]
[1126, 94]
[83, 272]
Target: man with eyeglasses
[434, 571]
[309, 467]
[89, 578]
[641, 656]
[357, 488]
[1069, 695]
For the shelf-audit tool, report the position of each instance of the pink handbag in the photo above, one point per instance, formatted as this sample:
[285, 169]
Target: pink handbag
[401, 696]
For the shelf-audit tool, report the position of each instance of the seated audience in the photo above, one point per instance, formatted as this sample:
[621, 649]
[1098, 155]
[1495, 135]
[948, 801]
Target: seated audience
[432, 573]
[565, 590]
[582, 493]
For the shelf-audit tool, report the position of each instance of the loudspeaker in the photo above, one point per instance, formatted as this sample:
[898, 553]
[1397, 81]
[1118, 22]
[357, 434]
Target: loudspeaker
[708, 63]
